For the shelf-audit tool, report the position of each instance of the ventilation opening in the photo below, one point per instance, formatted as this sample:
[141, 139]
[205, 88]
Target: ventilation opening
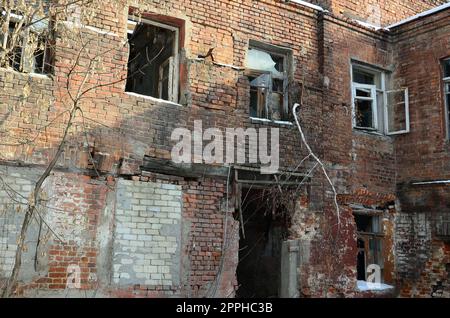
[259, 266]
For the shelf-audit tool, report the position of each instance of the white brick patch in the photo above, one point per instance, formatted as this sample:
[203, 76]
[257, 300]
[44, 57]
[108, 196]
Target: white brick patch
[148, 217]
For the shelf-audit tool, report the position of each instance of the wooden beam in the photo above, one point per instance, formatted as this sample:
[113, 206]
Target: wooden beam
[187, 170]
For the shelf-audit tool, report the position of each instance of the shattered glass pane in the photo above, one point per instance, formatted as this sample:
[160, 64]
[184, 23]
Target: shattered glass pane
[263, 61]
[261, 81]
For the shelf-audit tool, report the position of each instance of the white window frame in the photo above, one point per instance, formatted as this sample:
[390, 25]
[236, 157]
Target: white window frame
[380, 114]
[386, 113]
[174, 63]
[373, 93]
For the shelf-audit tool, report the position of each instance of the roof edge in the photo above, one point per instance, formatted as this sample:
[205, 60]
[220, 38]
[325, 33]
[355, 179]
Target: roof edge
[307, 4]
[420, 15]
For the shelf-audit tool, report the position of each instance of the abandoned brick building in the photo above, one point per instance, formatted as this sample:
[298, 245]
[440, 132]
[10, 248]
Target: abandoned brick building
[120, 219]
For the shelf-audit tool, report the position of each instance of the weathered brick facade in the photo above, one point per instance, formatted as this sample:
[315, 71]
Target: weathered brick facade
[133, 232]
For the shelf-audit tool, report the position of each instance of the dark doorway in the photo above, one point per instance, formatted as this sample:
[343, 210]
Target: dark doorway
[258, 271]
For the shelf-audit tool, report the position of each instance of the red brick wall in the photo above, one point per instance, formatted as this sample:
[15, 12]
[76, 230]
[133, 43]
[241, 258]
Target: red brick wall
[423, 155]
[365, 160]
[217, 94]
[122, 128]
[73, 211]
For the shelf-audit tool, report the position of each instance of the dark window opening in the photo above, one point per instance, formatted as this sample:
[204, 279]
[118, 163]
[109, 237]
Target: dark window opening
[364, 114]
[447, 68]
[152, 63]
[361, 260]
[361, 77]
[447, 94]
[369, 244]
[259, 269]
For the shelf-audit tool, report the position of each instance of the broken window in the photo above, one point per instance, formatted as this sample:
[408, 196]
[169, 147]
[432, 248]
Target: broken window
[153, 59]
[26, 46]
[370, 244]
[374, 107]
[447, 94]
[267, 70]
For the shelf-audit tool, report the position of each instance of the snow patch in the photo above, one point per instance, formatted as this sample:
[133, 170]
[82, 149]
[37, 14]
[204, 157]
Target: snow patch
[309, 5]
[154, 99]
[366, 286]
[432, 182]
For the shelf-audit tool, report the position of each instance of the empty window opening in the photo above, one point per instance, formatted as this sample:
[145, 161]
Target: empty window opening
[153, 59]
[267, 70]
[447, 94]
[375, 107]
[27, 48]
[369, 244]
[259, 269]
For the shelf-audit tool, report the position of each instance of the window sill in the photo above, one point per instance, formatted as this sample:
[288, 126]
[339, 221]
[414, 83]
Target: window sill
[366, 286]
[363, 131]
[154, 99]
[35, 75]
[255, 120]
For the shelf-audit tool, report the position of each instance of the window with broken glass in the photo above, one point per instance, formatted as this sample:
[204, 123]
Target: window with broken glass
[268, 75]
[25, 43]
[447, 94]
[153, 59]
[375, 107]
[370, 243]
